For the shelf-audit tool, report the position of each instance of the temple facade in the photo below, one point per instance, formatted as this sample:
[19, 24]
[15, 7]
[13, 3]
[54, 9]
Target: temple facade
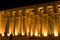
[35, 20]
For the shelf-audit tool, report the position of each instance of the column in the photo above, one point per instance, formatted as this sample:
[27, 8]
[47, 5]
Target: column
[28, 21]
[12, 23]
[3, 22]
[32, 23]
[50, 13]
[40, 13]
[58, 11]
[7, 23]
[45, 25]
[56, 24]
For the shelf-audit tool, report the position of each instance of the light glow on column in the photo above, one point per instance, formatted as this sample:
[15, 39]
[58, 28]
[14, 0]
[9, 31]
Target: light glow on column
[55, 33]
[45, 34]
[27, 31]
[2, 35]
[36, 33]
[9, 34]
[23, 33]
[31, 34]
[16, 33]
[55, 30]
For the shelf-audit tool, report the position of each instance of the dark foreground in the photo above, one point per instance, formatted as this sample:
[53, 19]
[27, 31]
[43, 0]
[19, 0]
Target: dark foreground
[30, 38]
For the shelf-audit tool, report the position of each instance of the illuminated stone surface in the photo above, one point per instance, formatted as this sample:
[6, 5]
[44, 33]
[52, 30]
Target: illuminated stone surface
[36, 22]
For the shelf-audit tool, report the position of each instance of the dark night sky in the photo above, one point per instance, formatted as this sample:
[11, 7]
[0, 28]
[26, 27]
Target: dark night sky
[7, 4]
